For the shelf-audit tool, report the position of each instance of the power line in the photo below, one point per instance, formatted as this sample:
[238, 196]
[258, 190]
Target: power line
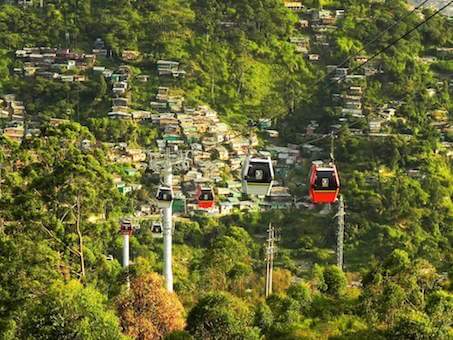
[381, 50]
[407, 33]
[368, 44]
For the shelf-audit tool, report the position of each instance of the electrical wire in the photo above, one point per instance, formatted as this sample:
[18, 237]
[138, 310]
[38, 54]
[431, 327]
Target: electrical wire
[407, 33]
[382, 50]
[368, 44]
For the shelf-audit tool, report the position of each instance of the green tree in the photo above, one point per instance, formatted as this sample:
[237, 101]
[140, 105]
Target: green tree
[221, 316]
[332, 281]
[70, 311]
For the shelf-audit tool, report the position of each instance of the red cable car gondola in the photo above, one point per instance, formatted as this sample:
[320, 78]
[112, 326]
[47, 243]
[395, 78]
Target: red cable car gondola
[324, 183]
[205, 197]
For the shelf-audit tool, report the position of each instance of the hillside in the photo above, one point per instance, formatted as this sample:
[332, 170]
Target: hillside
[99, 97]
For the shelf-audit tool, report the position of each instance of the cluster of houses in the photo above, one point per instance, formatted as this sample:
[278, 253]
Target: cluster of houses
[214, 153]
[349, 99]
[54, 63]
[314, 26]
[120, 81]
[12, 115]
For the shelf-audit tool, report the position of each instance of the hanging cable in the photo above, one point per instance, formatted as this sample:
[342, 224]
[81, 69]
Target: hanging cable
[372, 41]
[407, 33]
[382, 50]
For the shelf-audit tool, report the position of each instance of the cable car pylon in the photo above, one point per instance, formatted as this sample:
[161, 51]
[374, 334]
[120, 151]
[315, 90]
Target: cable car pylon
[340, 232]
[164, 199]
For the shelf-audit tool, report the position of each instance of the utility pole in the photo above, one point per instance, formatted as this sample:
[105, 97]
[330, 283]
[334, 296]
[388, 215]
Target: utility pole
[269, 259]
[79, 233]
[167, 230]
[340, 232]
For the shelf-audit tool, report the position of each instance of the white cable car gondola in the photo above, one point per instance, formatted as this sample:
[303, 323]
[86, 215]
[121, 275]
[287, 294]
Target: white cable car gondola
[164, 197]
[257, 176]
[156, 230]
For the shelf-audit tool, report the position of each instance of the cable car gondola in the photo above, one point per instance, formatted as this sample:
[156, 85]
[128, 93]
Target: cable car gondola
[257, 176]
[156, 230]
[205, 197]
[126, 227]
[324, 183]
[164, 197]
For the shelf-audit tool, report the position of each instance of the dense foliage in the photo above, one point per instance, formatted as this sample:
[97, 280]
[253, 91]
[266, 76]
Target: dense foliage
[60, 274]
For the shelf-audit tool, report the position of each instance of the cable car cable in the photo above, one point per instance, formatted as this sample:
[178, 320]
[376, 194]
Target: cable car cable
[368, 44]
[382, 50]
[407, 33]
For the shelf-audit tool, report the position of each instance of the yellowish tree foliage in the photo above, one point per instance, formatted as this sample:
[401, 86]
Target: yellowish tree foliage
[148, 311]
[281, 280]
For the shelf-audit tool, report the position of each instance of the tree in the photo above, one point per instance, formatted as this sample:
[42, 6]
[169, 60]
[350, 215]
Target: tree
[302, 294]
[148, 311]
[102, 89]
[332, 281]
[221, 316]
[412, 326]
[263, 317]
[26, 269]
[439, 308]
[70, 311]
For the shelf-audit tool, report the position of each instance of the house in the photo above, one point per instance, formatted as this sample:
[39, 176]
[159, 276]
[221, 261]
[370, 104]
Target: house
[162, 93]
[71, 64]
[340, 13]
[341, 71]
[227, 24]
[303, 23]
[100, 52]
[295, 6]
[223, 153]
[355, 91]
[361, 59]
[58, 121]
[375, 124]
[311, 128]
[68, 78]
[358, 113]
[141, 115]
[14, 133]
[272, 133]
[431, 92]
[120, 88]
[444, 52]
[143, 78]
[130, 171]
[4, 114]
[355, 105]
[99, 43]
[123, 188]
[166, 67]
[25, 3]
[225, 208]
[387, 113]
[159, 106]
[119, 115]
[129, 55]
[120, 101]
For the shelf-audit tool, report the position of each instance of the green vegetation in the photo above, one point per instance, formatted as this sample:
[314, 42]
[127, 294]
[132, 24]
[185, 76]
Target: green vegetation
[60, 204]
